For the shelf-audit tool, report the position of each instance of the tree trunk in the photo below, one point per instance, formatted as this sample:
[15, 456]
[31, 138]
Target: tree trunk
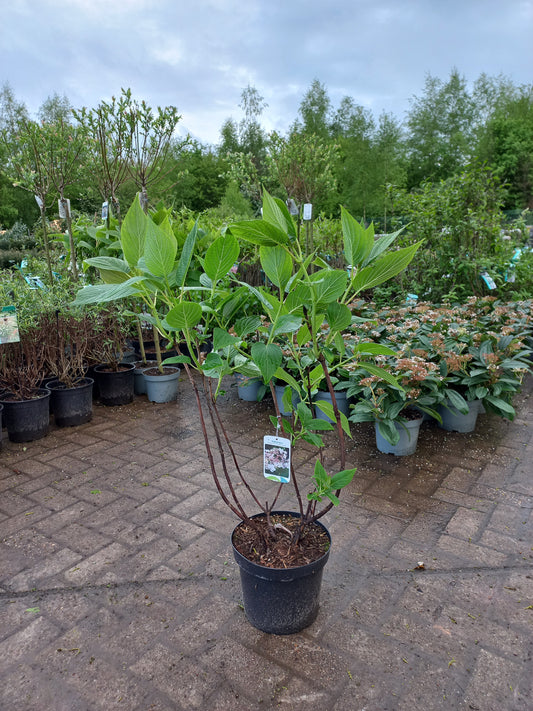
[68, 220]
[46, 243]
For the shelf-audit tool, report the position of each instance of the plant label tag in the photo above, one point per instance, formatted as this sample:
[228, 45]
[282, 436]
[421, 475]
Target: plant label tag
[489, 281]
[64, 208]
[277, 458]
[308, 211]
[105, 210]
[9, 330]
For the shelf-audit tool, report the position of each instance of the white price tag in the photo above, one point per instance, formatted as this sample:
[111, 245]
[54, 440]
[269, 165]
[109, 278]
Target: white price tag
[277, 458]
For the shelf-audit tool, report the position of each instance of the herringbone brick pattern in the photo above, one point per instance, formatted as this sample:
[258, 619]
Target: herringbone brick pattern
[118, 589]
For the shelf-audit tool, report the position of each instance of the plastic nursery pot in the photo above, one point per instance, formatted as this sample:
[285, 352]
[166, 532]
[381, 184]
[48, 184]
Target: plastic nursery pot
[408, 438]
[139, 383]
[247, 388]
[71, 406]
[455, 421]
[279, 389]
[162, 387]
[342, 404]
[115, 387]
[281, 600]
[27, 420]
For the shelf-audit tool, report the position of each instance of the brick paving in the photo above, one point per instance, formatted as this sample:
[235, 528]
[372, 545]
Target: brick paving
[118, 589]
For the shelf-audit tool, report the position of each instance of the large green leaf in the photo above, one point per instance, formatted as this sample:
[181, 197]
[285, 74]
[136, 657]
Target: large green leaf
[104, 293]
[133, 233]
[286, 324]
[338, 316]
[277, 265]
[160, 248]
[268, 359]
[184, 315]
[259, 232]
[222, 339]
[383, 374]
[221, 256]
[358, 241]
[328, 285]
[246, 325]
[384, 268]
[186, 255]
[281, 374]
[112, 270]
[274, 214]
[380, 245]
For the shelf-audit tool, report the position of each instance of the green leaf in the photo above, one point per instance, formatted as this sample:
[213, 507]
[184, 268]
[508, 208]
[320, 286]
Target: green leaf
[373, 349]
[380, 245]
[222, 338]
[328, 285]
[268, 359]
[338, 316]
[358, 241]
[286, 324]
[248, 324]
[277, 265]
[186, 256]
[501, 405]
[384, 268]
[281, 374]
[160, 249]
[304, 335]
[259, 232]
[342, 479]
[274, 213]
[327, 408]
[133, 233]
[383, 374]
[221, 256]
[389, 431]
[184, 315]
[457, 401]
[104, 293]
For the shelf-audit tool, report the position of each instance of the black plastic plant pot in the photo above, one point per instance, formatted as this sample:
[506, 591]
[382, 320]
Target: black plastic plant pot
[27, 420]
[115, 387]
[281, 600]
[71, 406]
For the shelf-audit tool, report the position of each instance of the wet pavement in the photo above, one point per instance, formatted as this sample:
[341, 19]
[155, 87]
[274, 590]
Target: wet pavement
[118, 588]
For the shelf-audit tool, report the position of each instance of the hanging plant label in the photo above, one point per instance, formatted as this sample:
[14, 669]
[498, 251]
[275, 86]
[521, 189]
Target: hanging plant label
[277, 458]
[9, 330]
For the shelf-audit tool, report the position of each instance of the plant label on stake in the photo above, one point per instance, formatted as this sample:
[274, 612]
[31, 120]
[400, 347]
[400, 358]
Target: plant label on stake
[277, 458]
[308, 211]
[9, 330]
[105, 210]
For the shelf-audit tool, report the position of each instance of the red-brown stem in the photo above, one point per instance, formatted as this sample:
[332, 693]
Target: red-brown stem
[231, 450]
[208, 448]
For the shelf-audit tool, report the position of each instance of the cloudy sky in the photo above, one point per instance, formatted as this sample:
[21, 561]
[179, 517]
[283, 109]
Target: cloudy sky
[198, 55]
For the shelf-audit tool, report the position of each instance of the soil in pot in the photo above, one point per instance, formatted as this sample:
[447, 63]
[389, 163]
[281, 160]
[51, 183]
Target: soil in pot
[279, 599]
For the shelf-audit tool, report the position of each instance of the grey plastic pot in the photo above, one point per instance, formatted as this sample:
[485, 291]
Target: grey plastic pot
[247, 388]
[408, 438]
[281, 600]
[162, 388]
[279, 390]
[139, 383]
[342, 404]
[455, 421]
